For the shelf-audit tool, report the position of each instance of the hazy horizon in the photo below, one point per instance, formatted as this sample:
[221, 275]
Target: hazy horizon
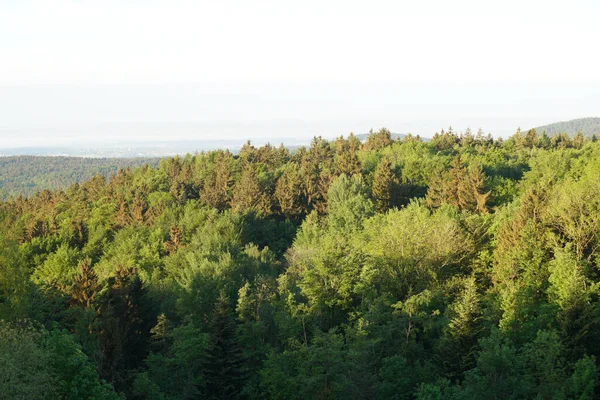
[265, 70]
[81, 115]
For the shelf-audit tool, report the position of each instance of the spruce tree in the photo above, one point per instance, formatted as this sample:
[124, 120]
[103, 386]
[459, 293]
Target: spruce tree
[288, 192]
[223, 367]
[124, 325]
[383, 182]
[85, 285]
[218, 183]
[346, 161]
[378, 140]
[248, 194]
[174, 242]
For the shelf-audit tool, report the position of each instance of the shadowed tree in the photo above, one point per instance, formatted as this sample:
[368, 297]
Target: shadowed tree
[224, 363]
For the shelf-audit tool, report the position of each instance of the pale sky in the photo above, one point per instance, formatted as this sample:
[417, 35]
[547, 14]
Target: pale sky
[328, 67]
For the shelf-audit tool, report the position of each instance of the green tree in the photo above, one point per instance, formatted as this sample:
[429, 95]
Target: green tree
[288, 192]
[249, 194]
[383, 186]
[224, 363]
[218, 183]
[378, 140]
[124, 327]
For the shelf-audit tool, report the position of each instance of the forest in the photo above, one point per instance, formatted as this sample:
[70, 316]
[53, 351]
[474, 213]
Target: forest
[589, 127]
[26, 175]
[464, 267]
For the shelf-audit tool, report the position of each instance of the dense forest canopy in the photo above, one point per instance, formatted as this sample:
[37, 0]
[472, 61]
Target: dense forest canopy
[459, 268]
[26, 175]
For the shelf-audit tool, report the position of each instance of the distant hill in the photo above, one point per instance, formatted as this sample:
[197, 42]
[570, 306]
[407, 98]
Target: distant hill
[25, 175]
[587, 126]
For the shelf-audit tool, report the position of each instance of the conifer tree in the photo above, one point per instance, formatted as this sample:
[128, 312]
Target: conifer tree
[460, 187]
[578, 140]
[347, 161]
[85, 285]
[218, 183]
[223, 367]
[383, 183]
[138, 207]
[174, 242]
[288, 191]
[460, 344]
[124, 326]
[378, 140]
[248, 194]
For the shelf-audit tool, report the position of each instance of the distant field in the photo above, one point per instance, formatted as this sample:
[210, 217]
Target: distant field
[25, 175]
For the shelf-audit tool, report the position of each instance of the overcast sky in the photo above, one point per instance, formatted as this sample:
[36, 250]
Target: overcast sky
[291, 68]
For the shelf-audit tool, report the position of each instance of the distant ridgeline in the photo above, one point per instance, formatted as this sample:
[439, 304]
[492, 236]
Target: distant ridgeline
[25, 175]
[587, 126]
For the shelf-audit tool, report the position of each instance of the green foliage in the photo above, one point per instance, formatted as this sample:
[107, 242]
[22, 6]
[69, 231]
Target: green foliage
[37, 364]
[460, 268]
[586, 126]
[347, 203]
[584, 379]
[499, 373]
[59, 268]
[26, 175]
[383, 186]
[223, 367]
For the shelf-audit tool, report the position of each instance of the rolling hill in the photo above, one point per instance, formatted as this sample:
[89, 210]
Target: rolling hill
[25, 175]
[587, 126]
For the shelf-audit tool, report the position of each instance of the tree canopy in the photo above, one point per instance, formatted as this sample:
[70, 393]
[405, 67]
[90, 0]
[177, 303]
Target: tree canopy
[460, 268]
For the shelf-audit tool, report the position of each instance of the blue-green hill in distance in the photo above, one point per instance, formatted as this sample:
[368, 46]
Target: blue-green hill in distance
[587, 126]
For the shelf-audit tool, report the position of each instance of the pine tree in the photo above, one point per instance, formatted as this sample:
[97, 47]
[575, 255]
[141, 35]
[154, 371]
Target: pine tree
[383, 182]
[124, 326]
[326, 178]
[174, 242]
[531, 139]
[138, 207]
[460, 187]
[121, 216]
[378, 140]
[436, 191]
[161, 334]
[85, 285]
[288, 191]
[347, 161]
[477, 183]
[578, 140]
[223, 367]
[460, 344]
[248, 195]
[218, 183]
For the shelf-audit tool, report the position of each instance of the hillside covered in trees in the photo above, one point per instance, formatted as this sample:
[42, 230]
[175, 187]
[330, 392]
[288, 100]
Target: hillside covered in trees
[586, 126]
[461, 268]
[26, 175]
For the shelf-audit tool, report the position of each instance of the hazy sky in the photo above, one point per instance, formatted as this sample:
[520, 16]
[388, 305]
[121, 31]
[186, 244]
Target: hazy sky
[290, 68]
